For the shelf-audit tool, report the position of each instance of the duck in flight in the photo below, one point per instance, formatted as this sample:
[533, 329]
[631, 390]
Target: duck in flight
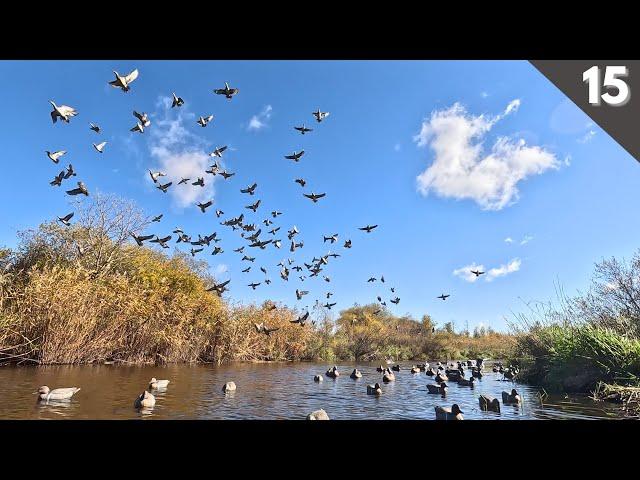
[157, 218]
[177, 101]
[204, 121]
[253, 285]
[64, 112]
[301, 181]
[141, 238]
[477, 273]
[204, 206]
[55, 156]
[227, 91]
[302, 129]
[218, 152]
[94, 127]
[155, 175]
[123, 81]
[332, 238]
[262, 328]
[219, 288]
[320, 115]
[314, 196]
[443, 297]
[65, 220]
[80, 190]
[164, 187]
[162, 241]
[250, 189]
[295, 156]
[368, 228]
[100, 147]
[301, 293]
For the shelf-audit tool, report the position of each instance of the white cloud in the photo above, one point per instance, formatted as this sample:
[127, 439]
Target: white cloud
[587, 137]
[484, 94]
[502, 270]
[180, 154]
[462, 169]
[397, 147]
[526, 240]
[508, 240]
[259, 121]
[465, 272]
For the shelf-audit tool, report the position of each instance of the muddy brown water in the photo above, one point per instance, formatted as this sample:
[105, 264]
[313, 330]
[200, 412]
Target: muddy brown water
[267, 391]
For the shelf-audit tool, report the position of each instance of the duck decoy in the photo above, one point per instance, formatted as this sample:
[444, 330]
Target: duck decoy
[441, 388]
[356, 374]
[476, 372]
[441, 377]
[46, 394]
[430, 372]
[388, 376]
[374, 389]
[453, 413]
[380, 369]
[318, 415]
[158, 384]
[333, 372]
[463, 382]
[489, 404]
[318, 378]
[396, 368]
[145, 400]
[415, 369]
[512, 398]
[229, 387]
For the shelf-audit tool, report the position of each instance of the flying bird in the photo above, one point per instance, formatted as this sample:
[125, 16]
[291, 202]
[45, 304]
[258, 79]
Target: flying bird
[63, 111]
[254, 206]
[219, 288]
[94, 127]
[66, 218]
[368, 228]
[199, 182]
[246, 270]
[477, 273]
[301, 319]
[333, 238]
[155, 175]
[250, 189]
[303, 129]
[162, 241]
[320, 115]
[314, 196]
[329, 305]
[217, 250]
[395, 300]
[226, 91]
[253, 285]
[204, 206]
[301, 181]
[143, 118]
[99, 147]
[55, 156]
[219, 213]
[295, 156]
[81, 189]
[57, 180]
[275, 213]
[158, 218]
[218, 152]
[443, 296]
[140, 239]
[123, 82]
[372, 279]
[204, 121]
[262, 328]
[183, 181]
[137, 128]
[226, 175]
[300, 294]
[177, 101]
[347, 244]
[164, 187]
[197, 250]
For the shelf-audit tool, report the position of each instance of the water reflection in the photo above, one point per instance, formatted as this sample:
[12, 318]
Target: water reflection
[268, 391]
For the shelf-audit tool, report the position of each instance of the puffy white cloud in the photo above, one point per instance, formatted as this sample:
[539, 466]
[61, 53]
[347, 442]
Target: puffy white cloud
[465, 272]
[461, 167]
[259, 121]
[180, 154]
[508, 240]
[503, 270]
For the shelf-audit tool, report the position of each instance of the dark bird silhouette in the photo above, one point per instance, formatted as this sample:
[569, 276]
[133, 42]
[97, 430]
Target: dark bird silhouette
[320, 115]
[140, 239]
[329, 305]
[301, 319]
[275, 213]
[302, 129]
[227, 91]
[301, 181]
[250, 189]
[164, 187]
[80, 190]
[177, 101]
[301, 293]
[94, 127]
[226, 174]
[218, 152]
[246, 270]
[444, 297]
[162, 241]
[157, 218]
[219, 288]
[395, 300]
[368, 228]
[66, 218]
[57, 180]
[253, 206]
[204, 206]
[199, 182]
[69, 173]
[332, 238]
[253, 285]
[314, 196]
[295, 156]
[347, 244]
[477, 273]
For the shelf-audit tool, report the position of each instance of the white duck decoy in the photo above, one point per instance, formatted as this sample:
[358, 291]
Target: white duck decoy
[55, 156]
[123, 82]
[203, 121]
[229, 387]
[63, 111]
[44, 393]
[157, 384]
[99, 147]
[145, 400]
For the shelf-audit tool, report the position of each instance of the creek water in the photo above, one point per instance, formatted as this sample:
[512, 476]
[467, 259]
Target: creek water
[268, 391]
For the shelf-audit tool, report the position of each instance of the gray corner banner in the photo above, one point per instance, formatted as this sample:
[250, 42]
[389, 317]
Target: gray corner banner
[621, 121]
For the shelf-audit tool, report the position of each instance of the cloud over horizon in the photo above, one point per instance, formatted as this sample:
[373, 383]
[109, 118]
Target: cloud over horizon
[461, 167]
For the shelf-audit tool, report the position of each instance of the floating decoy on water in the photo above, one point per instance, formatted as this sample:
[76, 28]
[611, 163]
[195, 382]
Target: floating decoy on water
[65, 220]
[64, 112]
[227, 91]
[463, 382]
[388, 376]
[158, 384]
[204, 121]
[123, 81]
[80, 190]
[368, 228]
[396, 368]
[333, 372]
[164, 187]
[177, 101]
[374, 389]
[203, 206]
[453, 413]
[318, 415]
[145, 400]
[55, 156]
[415, 370]
[46, 394]
[489, 404]
[318, 378]
[295, 156]
[250, 189]
[99, 147]
[94, 127]
[356, 374]
[229, 387]
[302, 129]
[443, 297]
[437, 389]
[430, 372]
[320, 115]
[512, 398]
[441, 377]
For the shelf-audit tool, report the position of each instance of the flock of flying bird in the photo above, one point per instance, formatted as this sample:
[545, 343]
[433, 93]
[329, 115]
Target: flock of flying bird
[250, 231]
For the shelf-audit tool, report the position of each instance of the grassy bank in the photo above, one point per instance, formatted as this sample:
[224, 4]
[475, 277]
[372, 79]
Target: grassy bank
[87, 293]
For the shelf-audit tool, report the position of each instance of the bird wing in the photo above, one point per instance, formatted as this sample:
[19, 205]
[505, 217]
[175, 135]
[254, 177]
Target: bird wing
[132, 76]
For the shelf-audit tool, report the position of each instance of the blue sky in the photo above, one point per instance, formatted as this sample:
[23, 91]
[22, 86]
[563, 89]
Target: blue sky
[449, 158]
